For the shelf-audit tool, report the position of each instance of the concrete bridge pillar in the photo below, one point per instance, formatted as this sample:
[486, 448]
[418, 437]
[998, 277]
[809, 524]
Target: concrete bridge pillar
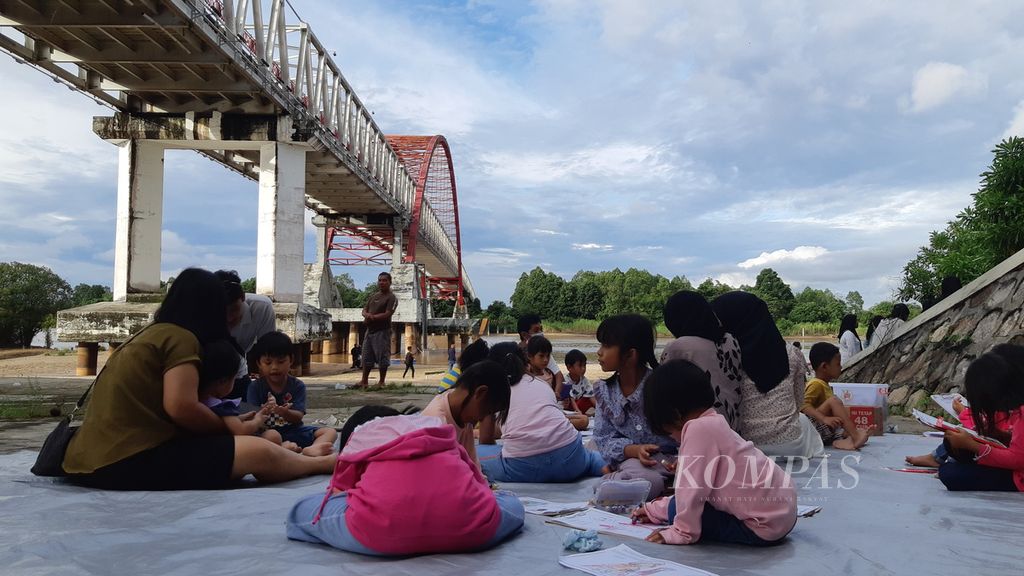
[280, 242]
[353, 336]
[140, 197]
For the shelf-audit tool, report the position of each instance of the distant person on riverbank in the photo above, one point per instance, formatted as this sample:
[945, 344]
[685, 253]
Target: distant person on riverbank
[473, 353]
[888, 327]
[773, 390]
[826, 411]
[249, 317]
[284, 397]
[849, 341]
[577, 392]
[410, 362]
[377, 313]
[530, 325]
[701, 339]
[621, 431]
[146, 428]
[356, 352]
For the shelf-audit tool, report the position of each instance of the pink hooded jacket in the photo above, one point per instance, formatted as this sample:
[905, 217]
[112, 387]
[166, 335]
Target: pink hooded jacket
[412, 488]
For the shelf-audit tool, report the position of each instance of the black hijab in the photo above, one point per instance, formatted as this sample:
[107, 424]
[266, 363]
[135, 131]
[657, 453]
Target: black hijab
[688, 313]
[764, 354]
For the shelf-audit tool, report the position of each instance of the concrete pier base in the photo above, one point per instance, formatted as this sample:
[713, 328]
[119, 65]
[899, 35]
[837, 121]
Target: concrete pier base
[88, 356]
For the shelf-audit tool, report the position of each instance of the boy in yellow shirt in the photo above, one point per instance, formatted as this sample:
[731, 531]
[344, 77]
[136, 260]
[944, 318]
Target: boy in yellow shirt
[827, 412]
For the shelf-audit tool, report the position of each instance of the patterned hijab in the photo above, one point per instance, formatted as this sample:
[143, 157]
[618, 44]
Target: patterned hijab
[763, 350]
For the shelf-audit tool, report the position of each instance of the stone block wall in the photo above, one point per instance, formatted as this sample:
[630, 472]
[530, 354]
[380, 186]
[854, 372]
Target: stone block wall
[931, 353]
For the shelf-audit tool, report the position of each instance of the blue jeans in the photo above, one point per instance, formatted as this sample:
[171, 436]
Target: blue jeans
[565, 464]
[333, 531]
[963, 476]
[940, 454]
[723, 527]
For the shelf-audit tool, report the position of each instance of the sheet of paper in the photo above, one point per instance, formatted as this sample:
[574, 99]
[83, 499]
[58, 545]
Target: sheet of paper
[605, 523]
[624, 561]
[939, 424]
[946, 401]
[805, 511]
[546, 508]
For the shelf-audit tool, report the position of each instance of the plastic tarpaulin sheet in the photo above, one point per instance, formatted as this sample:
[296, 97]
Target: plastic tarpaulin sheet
[874, 521]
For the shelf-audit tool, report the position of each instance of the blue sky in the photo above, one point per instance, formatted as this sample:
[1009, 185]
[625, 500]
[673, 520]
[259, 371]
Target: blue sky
[824, 140]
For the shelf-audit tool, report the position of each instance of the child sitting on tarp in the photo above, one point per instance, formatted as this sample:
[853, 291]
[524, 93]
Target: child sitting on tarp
[216, 380]
[483, 389]
[937, 457]
[403, 485]
[993, 385]
[726, 489]
[284, 396]
[825, 410]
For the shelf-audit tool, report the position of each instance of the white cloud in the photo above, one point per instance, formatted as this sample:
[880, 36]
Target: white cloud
[1016, 127]
[936, 83]
[800, 253]
[621, 161]
[592, 246]
[549, 232]
[493, 257]
[735, 279]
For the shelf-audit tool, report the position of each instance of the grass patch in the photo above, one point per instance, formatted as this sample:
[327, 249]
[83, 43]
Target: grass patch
[30, 410]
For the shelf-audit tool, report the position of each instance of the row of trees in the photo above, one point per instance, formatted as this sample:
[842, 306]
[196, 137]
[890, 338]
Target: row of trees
[597, 295]
[30, 297]
[981, 236]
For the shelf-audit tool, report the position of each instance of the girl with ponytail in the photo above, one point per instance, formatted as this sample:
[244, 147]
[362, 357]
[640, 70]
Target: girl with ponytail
[621, 432]
[539, 443]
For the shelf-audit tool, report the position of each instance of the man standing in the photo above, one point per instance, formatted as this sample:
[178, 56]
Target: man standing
[377, 313]
[451, 356]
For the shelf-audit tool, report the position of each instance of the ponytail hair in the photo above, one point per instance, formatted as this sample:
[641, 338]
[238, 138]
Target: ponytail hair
[492, 375]
[630, 331]
[510, 358]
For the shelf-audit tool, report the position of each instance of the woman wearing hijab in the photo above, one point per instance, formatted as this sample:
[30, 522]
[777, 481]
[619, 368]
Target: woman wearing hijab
[701, 340]
[774, 390]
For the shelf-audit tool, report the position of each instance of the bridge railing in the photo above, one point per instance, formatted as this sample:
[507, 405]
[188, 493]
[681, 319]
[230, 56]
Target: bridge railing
[292, 57]
[297, 62]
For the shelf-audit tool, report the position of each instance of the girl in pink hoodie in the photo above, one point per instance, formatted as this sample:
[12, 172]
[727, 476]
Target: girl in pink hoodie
[403, 485]
[725, 488]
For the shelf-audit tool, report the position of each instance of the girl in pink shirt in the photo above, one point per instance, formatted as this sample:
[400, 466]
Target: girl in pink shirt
[994, 384]
[481, 390]
[539, 444]
[726, 489]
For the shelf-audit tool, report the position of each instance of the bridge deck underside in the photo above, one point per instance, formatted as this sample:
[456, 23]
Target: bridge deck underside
[144, 56]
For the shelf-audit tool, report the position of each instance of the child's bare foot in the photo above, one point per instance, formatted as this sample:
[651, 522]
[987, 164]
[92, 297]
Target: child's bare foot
[606, 470]
[318, 449]
[927, 460]
[845, 444]
[860, 437]
[291, 446]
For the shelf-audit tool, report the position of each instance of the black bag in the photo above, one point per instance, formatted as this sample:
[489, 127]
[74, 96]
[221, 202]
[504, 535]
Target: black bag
[51, 456]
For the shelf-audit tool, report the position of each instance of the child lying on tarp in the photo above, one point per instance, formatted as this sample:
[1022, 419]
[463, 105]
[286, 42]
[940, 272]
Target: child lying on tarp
[403, 485]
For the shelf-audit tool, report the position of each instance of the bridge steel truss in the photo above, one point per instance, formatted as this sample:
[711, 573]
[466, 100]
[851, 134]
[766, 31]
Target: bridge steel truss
[249, 57]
